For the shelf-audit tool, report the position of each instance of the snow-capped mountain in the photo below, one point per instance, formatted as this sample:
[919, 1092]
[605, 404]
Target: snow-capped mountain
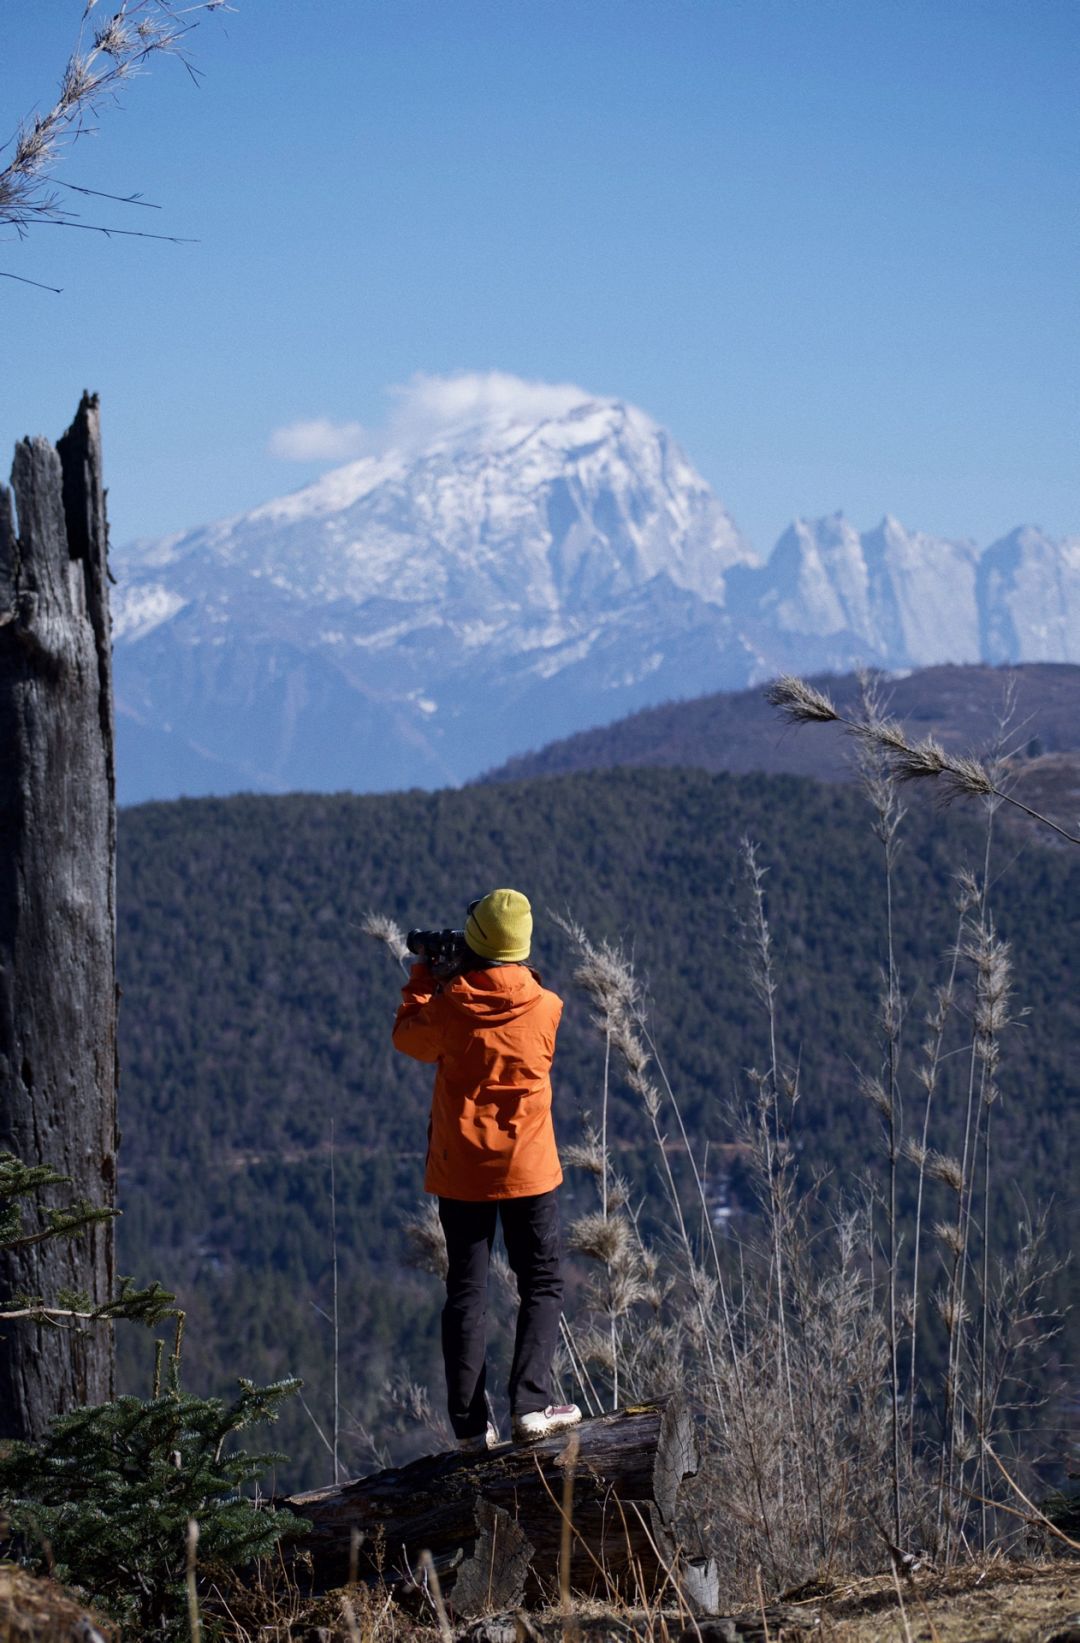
[832, 598]
[418, 616]
[414, 617]
[890, 596]
[1028, 594]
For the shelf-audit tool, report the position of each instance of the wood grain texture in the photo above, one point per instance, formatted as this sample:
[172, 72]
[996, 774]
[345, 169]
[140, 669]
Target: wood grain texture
[58, 1058]
[627, 1473]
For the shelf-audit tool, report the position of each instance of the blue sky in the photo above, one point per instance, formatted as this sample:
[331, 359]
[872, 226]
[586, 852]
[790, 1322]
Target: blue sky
[832, 246]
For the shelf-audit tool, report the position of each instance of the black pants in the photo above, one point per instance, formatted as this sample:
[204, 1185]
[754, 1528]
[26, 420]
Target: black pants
[531, 1230]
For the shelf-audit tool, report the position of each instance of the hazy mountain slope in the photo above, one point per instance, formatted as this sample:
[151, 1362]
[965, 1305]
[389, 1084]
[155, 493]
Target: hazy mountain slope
[739, 731]
[1028, 589]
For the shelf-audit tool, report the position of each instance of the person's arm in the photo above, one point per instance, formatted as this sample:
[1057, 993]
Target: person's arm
[416, 1026]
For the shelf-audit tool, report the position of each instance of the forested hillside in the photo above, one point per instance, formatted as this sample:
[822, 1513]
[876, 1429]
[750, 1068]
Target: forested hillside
[739, 731]
[255, 1020]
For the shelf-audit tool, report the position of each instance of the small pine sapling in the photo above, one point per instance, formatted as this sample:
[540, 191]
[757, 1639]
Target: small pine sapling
[106, 1498]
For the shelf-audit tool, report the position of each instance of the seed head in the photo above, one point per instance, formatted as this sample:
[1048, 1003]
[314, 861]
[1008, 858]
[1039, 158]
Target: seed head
[950, 1236]
[966, 775]
[115, 39]
[968, 889]
[584, 1155]
[914, 761]
[993, 980]
[605, 1238]
[951, 1310]
[800, 702]
[966, 1448]
[940, 1167]
[425, 1241]
[875, 1092]
[381, 928]
[917, 1153]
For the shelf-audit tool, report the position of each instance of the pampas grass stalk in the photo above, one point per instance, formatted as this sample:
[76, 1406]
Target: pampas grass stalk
[990, 961]
[928, 1075]
[605, 1155]
[589, 1395]
[769, 1124]
[334, 1308]
[381, 928]
[880, 790]
[993, 981]
[961, 776]
[608, 980]
[956, 1315]
[102, 61]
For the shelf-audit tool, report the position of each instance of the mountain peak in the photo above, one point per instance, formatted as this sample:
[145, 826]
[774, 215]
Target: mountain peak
[504, 541]
[508, 562]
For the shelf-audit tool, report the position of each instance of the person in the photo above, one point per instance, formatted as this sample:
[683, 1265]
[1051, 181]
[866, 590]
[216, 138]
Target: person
[490, 1029]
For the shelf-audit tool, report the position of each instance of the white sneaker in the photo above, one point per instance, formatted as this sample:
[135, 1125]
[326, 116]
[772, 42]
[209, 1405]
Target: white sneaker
[543, 1423]
[481, 1443]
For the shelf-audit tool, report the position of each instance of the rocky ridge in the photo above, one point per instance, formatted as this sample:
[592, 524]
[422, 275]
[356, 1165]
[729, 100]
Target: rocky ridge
[416, 617]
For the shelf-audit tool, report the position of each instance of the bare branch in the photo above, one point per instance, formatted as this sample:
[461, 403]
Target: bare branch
[98, 65]
[56, 289]
[100, 194]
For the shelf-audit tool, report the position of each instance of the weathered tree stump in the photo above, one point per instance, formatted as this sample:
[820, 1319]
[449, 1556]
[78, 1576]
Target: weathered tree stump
[493, 1523]
[58, 1072]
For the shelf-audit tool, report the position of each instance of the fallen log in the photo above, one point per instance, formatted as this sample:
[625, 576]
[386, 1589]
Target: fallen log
[493, 1523]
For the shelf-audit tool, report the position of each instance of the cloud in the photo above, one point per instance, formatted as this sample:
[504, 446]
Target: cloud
[319, 440]
[423, 409]
[430, 405]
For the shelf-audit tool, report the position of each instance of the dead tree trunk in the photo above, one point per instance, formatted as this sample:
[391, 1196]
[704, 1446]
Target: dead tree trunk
[58, 1067]
[493, 1523]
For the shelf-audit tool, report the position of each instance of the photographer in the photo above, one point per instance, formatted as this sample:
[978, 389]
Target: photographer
[474, 1008]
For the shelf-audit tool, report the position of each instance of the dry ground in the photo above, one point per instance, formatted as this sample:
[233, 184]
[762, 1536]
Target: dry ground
[998, 1602]
[40, 1611]
[1001, 1602]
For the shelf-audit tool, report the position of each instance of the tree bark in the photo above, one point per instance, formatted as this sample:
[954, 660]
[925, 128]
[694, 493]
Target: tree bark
[493, 1522]
[58, 1000]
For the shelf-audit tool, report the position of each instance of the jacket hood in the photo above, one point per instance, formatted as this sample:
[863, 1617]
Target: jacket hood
[493, 997]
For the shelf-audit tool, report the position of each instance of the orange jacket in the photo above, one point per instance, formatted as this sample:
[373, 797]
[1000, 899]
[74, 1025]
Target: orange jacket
[492, 1037]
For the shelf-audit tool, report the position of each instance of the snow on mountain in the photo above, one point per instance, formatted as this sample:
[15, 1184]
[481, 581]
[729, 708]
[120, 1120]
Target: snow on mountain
[890, 596]
[923, 593]
[526, 516]
[1029, 598]
[523, 562]
[445, 589]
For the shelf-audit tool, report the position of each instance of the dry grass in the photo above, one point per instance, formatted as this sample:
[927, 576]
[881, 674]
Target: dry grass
[996, 1600]
[111, 49]
[36, 1610]
[827, 1436]
[957, 775]
[824, 1438]
[987, 1602]
[781, 1338]
[823, 1431]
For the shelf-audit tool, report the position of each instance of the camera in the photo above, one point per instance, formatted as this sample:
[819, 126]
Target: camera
[442, 950]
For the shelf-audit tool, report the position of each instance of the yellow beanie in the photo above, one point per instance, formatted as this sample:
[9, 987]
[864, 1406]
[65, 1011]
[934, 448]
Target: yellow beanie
[500, 926]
